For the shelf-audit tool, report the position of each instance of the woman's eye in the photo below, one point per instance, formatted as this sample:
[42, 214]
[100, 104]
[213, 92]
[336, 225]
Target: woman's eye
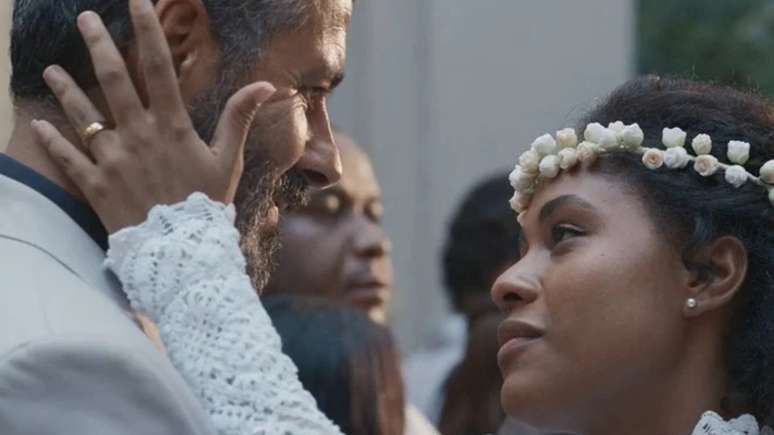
[561, 233]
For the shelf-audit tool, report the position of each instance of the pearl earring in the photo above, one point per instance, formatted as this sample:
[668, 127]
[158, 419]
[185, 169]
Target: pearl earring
[691, 303]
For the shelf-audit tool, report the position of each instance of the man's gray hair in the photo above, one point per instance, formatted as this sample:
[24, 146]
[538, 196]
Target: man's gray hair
[44, 33]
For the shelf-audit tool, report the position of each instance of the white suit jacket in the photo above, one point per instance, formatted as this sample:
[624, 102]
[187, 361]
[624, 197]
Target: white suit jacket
[72, 361]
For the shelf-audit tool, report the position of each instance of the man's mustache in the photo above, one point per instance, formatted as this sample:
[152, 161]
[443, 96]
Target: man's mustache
[291, 191]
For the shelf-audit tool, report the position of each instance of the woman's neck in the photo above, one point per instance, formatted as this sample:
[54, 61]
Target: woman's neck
[672, 403]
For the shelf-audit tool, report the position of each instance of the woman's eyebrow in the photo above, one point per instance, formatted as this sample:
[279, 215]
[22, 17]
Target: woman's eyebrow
[552, 206]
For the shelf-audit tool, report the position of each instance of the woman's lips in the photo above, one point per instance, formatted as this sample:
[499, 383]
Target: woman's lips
[515, 337]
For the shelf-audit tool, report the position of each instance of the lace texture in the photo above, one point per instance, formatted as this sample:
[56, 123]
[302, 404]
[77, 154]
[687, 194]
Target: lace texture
[713, 424]
[183, 269]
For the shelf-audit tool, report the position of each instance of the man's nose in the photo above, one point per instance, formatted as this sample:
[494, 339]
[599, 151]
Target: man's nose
[372, 242]
[321, 162]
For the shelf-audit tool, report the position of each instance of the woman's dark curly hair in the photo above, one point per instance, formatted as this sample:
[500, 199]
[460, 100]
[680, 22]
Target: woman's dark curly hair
[700, 209]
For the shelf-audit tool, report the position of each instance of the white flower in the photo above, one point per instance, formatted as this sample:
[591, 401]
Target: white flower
[520, 202]
[736, 175]
[632, 137]
[568, 158]
[549, 166]
[567, 138]
[767, 172]
[587, 152]
[545, 145]
[653, 158]
[706, 165]
[738, 152]
[608, 139]
[617, 127]
[520, 179]
[702, 144]
[529, 161]
[676, 158]
[673, 137]
[593, 132]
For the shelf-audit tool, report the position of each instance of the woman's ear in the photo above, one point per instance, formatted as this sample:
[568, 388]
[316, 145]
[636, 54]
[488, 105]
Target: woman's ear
[718, 272]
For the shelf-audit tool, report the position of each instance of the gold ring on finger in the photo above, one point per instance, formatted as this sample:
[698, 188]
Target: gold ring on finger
[88, 133]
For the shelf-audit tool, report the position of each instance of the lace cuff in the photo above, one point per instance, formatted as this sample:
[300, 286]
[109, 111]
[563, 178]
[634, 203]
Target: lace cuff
[184, 270]
[713, 424]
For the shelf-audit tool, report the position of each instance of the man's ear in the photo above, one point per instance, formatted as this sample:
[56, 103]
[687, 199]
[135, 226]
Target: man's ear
[195, 53]
[186, 26]
[718, 272]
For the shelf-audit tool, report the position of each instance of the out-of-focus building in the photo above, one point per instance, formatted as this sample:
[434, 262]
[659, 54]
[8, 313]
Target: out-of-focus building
[6, 112]
[443, 92]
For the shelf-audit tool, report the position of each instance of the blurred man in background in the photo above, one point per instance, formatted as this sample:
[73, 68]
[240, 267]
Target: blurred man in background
[335, 247]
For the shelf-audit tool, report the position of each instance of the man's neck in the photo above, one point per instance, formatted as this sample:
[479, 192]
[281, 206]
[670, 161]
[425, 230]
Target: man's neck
[25, 147]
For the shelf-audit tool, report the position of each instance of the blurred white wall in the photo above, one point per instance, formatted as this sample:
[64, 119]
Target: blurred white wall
[443, 92]
[6, 112]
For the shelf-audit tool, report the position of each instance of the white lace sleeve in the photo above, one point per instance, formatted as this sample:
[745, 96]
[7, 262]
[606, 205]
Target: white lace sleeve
[184, 270]
[713, 424]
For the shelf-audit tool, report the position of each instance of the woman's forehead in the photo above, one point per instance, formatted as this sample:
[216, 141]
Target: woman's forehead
[589, 189]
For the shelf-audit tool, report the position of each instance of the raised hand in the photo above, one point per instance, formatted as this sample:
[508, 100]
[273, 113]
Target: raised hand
[152, 155]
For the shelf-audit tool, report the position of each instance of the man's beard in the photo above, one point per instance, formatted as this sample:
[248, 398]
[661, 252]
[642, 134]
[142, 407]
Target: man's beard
[260, 188]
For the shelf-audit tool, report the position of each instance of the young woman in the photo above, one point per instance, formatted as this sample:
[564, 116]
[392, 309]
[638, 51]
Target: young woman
[642, 302]
[644, 298]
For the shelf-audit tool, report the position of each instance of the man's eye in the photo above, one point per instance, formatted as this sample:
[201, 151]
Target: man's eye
[560, 233]
[330, 204]
[313, 95]
[375, 211]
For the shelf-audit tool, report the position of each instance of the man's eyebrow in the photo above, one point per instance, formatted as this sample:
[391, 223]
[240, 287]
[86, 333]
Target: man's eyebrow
[555, 204]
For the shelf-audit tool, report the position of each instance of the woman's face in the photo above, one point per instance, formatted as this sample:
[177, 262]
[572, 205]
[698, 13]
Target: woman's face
[594, 306]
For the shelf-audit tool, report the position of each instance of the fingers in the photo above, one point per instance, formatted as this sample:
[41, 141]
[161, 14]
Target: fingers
[237, 118]
[156, 60]
[110, 69]
[79, 109]
[73, 161]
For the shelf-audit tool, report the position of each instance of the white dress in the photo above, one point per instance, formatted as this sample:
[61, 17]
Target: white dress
[183, 269]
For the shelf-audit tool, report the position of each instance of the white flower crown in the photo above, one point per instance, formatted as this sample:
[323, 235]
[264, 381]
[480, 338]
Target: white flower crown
[548, 156]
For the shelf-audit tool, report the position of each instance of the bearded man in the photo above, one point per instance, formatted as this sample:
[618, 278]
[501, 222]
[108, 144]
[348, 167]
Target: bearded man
[71, 357]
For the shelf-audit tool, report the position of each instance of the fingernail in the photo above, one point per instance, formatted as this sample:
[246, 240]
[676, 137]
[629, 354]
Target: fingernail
[51, 72]
[265, 93]
[87, 21]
